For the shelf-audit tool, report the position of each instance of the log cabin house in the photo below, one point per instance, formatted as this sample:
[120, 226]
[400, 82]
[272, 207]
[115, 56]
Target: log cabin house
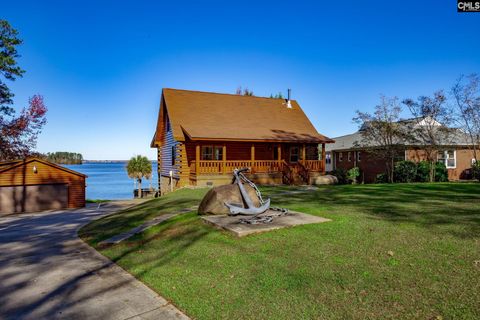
[201, 137]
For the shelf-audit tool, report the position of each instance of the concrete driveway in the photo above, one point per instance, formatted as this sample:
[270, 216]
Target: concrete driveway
[47, 272]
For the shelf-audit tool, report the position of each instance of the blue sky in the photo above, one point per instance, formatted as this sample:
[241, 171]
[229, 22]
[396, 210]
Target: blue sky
[101, 65]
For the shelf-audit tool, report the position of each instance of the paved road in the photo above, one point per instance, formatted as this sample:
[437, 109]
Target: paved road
[47, 272]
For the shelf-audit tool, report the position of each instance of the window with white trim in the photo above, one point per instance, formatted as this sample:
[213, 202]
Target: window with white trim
[449, 158]
[349, 156]
[340, 156]
[359, 157]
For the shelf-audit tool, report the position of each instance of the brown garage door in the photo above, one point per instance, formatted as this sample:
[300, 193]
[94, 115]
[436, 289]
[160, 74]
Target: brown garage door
[33, 198]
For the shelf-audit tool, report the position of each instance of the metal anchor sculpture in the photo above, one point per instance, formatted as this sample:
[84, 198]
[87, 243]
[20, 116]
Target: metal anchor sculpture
[250, 209]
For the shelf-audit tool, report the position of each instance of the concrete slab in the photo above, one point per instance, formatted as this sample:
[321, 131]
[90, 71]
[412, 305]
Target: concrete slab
[233, 224]
[47, 272]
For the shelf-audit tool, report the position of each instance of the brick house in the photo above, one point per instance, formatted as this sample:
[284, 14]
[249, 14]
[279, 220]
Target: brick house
[347, 152]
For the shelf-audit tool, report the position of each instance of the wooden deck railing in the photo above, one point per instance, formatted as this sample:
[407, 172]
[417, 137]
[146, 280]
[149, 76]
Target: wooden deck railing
[260, 166]
[219, 166]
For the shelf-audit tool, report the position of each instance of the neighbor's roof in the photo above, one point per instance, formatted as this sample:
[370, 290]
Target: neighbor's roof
[355, 141]
[349, 141]
[215, 116]
[9, 164]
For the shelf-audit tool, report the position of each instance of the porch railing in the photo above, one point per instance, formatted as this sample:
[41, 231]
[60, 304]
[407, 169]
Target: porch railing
[312, 165]
[260, 166]
[219, 166]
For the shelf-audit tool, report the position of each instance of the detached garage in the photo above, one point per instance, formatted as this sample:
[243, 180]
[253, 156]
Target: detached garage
[34, 185]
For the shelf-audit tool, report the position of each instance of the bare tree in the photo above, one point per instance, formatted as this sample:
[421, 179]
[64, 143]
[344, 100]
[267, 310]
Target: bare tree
[382, 132]
[244, 92]
[430, 127]
[466, 108]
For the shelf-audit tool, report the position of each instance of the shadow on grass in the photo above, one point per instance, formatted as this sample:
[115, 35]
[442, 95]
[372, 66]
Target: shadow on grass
[133, 217]
[425, 205]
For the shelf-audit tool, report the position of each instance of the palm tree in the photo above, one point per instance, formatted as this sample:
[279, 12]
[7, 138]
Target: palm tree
[139, 167]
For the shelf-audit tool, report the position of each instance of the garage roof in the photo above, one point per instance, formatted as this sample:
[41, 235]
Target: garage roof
[10, 164]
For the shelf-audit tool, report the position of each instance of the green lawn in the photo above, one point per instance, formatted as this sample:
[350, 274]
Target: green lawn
[406, 251]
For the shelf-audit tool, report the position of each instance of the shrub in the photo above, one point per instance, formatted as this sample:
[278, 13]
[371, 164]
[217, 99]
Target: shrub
[341, 175]
[381, 178]
[405, 171]
[353, 174]
[476, 170]
[441, 173]
[423, 171]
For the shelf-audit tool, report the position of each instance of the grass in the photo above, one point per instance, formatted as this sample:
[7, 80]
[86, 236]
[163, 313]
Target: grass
[405, 251]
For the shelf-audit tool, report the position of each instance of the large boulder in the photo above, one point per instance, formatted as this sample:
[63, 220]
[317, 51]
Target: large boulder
[214, 200]
[326, 179]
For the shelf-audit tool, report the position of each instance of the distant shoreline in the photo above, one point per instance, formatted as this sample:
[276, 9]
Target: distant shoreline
[107, 161]
[104, 161]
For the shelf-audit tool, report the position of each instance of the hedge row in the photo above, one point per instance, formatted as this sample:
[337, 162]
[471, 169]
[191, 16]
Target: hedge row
[404, 171]
[409, 171]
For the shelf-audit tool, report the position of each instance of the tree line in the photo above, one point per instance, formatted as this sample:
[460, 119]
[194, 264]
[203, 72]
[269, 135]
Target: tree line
[61, 157]
[446, 118]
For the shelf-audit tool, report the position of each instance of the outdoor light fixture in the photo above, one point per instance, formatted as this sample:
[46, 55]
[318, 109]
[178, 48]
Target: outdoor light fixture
[34, 169]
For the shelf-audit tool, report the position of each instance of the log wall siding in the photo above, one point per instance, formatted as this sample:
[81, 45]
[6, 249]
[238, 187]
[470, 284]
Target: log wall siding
[168, 149]
[159, 168]
[182, 165]
[24, 175]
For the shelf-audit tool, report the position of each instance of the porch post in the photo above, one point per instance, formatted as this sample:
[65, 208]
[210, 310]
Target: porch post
[197, 159]
[224, 158]
[303, 153]
[323, 158]
[252, 154]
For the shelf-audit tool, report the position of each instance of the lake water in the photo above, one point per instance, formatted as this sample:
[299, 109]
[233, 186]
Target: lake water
[110, 180]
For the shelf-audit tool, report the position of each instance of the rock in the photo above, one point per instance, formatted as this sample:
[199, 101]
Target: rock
[214, 200]
[326, 179]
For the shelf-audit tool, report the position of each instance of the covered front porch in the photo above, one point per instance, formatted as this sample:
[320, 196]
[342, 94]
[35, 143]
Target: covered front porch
[268, 162]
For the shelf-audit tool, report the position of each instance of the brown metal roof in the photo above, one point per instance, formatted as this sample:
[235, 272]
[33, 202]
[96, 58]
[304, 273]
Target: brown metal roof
[7, 165]
[215, 116]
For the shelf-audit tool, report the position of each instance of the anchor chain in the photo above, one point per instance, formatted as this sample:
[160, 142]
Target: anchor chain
[260, 217]
[254, 186]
